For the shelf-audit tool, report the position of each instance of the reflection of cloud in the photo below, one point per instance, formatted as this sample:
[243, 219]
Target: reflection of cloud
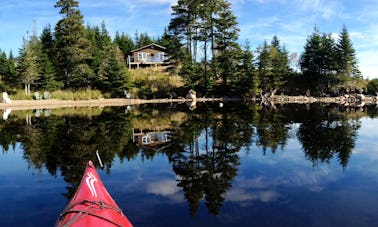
[167, 188]
[266, 187]
[163, 187]
[268, 196]
[256, 183]
[240, 195]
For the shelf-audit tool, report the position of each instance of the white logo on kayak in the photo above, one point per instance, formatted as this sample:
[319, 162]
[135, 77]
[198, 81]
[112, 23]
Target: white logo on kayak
[90, 182]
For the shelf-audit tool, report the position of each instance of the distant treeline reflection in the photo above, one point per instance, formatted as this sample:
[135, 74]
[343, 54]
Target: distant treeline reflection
[203, 145]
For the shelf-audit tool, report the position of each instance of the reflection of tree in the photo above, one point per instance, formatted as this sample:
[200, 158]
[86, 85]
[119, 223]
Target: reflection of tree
[207, 170]
[10, 131]
[322, 140]
[204, 148]
[272, 130]
[66, 143]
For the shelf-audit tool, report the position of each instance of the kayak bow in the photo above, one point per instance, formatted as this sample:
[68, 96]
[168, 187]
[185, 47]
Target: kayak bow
[92, 205]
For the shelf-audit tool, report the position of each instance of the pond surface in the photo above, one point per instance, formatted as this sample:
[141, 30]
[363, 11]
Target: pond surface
[167, 165]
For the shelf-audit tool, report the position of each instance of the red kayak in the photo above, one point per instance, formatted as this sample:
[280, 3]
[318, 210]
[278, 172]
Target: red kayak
[92, 205]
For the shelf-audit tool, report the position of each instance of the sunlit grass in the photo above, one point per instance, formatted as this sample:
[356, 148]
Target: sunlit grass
[153, 82]
[86, 94]
[20, 95]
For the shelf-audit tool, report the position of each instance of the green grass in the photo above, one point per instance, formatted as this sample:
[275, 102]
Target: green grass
[77, 95]
[20, 95]
[153, 82]
[86, 94]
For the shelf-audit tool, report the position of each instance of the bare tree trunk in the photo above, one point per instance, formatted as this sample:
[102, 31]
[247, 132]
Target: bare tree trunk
[273, 93]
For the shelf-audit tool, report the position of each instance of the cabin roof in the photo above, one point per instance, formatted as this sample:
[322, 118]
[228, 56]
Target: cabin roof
[150, 46]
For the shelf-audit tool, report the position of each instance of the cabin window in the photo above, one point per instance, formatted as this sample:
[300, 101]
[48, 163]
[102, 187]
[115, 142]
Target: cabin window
[146, 140]
[142, 56]
[162, 56]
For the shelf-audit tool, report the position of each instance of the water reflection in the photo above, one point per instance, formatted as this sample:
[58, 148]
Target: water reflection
[203, 145]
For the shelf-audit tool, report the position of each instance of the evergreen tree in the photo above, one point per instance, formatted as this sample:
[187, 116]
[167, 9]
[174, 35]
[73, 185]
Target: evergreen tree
[11, 77]
[310, 59]
[265, 67]
[142, 39]
[48, 43]
[116, 76]
[28, 69]
[72, 48]
[329, 66]
[163, 41]
[273, 66]
[246, 80]
[280, 63]
[372, 87]
[225, 41]
[125, 44]
[327, 56]
[4, 65]
[346, 56]
[175, 51]
[110, 72]
[312, 63]
[184, 23]
[47, 80]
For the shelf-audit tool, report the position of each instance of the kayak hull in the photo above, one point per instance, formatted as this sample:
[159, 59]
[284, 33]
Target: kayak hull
[92, 205]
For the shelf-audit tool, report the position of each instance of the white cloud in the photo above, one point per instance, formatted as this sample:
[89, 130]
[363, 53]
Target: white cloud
[170, 2]
[326, 8]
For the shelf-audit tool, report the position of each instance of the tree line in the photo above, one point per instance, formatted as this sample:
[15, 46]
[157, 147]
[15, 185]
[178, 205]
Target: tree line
[206, 52]
[71, 56]
[202, 40]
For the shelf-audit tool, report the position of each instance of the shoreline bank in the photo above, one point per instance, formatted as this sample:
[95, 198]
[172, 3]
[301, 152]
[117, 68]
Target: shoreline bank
[56, 103]
[277, 99]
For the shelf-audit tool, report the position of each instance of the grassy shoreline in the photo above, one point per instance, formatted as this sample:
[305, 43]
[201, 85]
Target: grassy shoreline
[56, 103]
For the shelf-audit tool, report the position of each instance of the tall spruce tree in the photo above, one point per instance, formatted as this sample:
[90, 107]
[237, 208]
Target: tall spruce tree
[346, 56]
[246, 79]
[48, 42]
[72, 48]
[184, 22]
[310, 60]
[327, 55]
[47, 80]
[273, 66]
[280, 63]
[181, 30]
[264, 67]
[210, 27]
[225, 41]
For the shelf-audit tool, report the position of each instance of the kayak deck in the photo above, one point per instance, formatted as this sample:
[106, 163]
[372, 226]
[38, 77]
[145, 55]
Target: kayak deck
[92, 205]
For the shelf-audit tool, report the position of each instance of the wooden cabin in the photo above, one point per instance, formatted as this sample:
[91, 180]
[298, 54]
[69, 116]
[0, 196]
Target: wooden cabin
[150, 55]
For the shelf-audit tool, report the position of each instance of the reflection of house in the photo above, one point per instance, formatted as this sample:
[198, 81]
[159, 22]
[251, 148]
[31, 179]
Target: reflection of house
[151, 138]
[151, 54]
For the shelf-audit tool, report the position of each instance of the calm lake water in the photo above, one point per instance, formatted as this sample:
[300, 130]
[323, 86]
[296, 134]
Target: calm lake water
[172, 165]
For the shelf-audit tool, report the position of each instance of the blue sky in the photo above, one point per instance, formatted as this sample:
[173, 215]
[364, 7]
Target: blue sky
[291, 20]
